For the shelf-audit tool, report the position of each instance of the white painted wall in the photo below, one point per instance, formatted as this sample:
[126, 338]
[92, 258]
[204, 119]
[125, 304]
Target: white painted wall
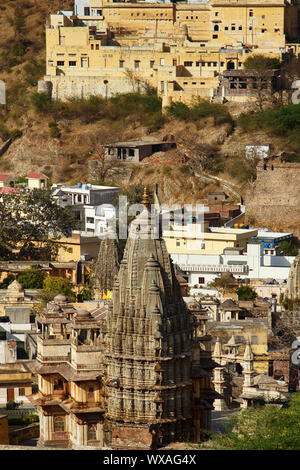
[260, 266]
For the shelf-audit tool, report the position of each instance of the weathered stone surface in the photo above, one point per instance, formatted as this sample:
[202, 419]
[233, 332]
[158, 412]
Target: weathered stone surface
[107, 265]
[293, 283]
[273, 199]
[148, 346]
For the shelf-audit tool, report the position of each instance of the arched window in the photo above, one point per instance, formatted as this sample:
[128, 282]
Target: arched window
[216, 27]
[59, 424]
[92, 434]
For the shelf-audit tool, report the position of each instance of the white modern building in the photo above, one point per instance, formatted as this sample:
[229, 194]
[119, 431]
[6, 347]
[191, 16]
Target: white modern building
[92, 205]
[251, 263]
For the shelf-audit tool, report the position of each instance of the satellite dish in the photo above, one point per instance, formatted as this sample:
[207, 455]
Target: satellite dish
[296, 357]
[295, 344]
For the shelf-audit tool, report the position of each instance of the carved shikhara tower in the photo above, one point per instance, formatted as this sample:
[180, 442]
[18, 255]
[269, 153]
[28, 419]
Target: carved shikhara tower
[138, 373]
[148, 347]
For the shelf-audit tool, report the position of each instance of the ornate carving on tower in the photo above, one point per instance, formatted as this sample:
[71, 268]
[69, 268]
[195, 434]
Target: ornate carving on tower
[293, 283]
[219, 380]
[107, 266]
[148, 346]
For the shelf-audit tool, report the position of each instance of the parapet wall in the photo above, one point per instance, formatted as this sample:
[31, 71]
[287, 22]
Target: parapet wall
[273, 200]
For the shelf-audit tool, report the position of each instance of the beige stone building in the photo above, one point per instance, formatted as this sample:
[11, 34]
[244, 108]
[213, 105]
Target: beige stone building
[181, 48]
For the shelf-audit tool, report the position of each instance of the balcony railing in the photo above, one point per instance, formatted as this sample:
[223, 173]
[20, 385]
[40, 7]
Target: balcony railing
[240, 269]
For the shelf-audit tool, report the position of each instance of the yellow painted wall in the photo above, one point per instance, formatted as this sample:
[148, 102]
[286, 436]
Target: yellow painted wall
[207, 243]
[167, 36]
[71, 248]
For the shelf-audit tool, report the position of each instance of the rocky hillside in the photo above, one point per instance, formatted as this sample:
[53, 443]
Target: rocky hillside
[59, 141]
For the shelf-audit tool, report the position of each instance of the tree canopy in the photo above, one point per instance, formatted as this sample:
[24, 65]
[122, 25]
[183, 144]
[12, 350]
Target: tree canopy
[263, 428]
[32, 279]
[30, 222]
[261, 62]
[54, 285]
[246, 293]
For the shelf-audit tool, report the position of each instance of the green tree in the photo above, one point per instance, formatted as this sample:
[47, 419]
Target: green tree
[85, 293]
[246, 293]
[263, 428]
[54, 285]
[41, 102]
[30, 222]
[261, 62]
[8, 280]
[32, 279]
[288, 248]
[223, 284]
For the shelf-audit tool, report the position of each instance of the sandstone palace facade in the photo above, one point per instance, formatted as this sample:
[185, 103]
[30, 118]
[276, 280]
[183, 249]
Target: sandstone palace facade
[137, 372]
[181, 49]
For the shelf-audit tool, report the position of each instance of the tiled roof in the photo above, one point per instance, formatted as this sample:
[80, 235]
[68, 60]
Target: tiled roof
[9, 190]
[36, 175]
[4, 177]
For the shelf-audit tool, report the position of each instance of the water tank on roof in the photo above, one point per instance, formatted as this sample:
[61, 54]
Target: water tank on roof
[79, 185]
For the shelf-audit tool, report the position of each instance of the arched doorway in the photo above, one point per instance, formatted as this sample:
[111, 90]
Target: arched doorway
[230, 65]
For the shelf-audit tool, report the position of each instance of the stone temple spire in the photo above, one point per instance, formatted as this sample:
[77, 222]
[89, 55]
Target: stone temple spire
[148, 344]
[293, 283]
[145, 200]
[248, 369]
[107, 266]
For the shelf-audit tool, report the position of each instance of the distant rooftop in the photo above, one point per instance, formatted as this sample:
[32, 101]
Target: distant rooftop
[265, 234]
[84, 186]
[4, 177]
[36, 176]
[136, 143]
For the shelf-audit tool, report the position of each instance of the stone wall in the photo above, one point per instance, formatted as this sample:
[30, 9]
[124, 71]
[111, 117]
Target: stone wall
[273, 199]
[64, 88]
[23, 434]
[118, 175]
[126, 435]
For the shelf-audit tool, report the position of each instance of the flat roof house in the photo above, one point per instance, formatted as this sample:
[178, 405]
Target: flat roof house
[136, 151]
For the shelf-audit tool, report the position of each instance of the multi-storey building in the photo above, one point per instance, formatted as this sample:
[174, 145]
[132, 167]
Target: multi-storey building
[180, 48]
[91, 204]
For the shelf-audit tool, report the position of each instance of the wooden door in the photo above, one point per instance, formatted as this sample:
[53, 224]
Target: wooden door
[10, 394]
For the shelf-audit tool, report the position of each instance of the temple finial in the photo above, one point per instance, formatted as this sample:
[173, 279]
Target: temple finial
[145, 200]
